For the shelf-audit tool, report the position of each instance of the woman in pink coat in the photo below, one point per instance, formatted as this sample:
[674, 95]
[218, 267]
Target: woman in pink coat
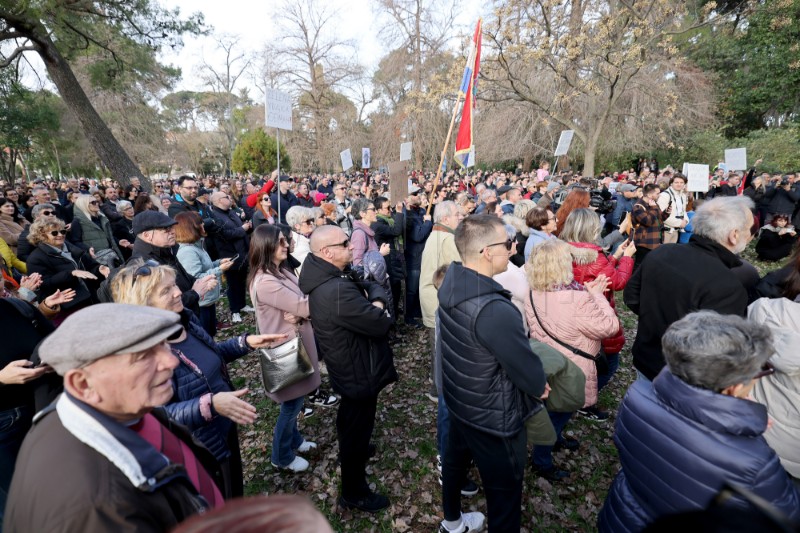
[576, 314]
[281, 307]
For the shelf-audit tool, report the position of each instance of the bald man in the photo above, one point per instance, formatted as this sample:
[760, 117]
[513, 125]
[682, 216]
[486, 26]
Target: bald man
[351, 326]
[230, 239]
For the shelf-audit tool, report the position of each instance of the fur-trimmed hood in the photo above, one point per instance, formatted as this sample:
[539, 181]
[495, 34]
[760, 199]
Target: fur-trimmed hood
[584, 253]
[518, 224]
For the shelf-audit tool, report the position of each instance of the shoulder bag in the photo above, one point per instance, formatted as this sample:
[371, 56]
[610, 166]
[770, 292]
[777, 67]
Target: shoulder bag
[283, 365]
[600, 360]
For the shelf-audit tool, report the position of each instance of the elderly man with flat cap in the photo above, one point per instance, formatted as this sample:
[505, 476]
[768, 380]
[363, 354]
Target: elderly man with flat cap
[104, 456]
[155, 241]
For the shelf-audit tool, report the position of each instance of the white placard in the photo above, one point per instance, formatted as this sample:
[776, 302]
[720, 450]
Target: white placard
[405, 151]
[365, 158]
[563, 142]
[697, 177]
[736, 159]
[347, 160]
[278, 110]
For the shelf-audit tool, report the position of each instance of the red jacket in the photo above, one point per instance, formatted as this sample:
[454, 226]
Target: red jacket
[588, 262]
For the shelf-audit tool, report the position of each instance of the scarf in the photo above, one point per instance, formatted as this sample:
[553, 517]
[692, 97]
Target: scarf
[390, 221]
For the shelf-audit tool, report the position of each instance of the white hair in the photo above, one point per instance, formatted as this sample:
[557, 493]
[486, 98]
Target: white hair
[298, 214]
[717, 218]
[444, 209]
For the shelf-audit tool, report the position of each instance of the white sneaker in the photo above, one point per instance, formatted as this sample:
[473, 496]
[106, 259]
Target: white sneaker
[301, 465]
[247, 309]
[307, 446]
[469, 522]
[235, 317]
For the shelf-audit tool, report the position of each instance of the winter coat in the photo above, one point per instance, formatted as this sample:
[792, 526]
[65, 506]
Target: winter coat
[781, 201]
[11, 260]
[520, 240]
[123, 229]
[772, 285]
[196, 261]
[86, 234]
[363, 240]
[351, 332]
[440, 249]
[10, 231]
[578, 318]
[272, 297]
[646, 222]
[678, 201]
[588, 262]
[417, 231]
[535, 238]
[780, 392]
[771, 246]
[288, 201]
[166, 256]
[190, 384]
[302, 247]
[675, 280]
[56, 271]
[624, 205]
[229, 237]
[679, 444]
[61, 483]
[392, 233]
[343, 220]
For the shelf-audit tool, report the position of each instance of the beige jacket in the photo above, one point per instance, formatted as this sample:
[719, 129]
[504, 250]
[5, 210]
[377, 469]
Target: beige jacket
[10, 231]
[440, 249]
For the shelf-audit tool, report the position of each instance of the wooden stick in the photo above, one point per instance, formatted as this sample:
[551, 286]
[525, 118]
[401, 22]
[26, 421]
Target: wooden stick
[444, 152]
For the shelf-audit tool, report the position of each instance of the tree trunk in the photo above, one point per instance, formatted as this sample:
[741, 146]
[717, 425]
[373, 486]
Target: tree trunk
[589, 153]
[97, 132]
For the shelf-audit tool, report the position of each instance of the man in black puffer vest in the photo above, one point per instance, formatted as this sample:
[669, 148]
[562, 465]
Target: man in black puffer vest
[351, 326]
[492, 381]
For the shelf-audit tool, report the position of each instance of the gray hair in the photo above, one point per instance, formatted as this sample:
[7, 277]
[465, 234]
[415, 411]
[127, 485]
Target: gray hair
[38, 208]
[714, 351]
[122, 205]
[488, 195]
[298, 214]
[522, 208]
[582, 225]
[717, 218]
[511, 232]
[444, 209]
[359, 206]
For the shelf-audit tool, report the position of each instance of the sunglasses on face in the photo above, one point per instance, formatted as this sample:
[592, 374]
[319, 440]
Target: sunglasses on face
[766, 370]
[47, 213]
[344, 244]
[93, 202]
[56, 233]
[310, 222]
[145, 270]
[508, 244]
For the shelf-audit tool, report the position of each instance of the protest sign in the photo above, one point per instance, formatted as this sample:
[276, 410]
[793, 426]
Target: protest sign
[365, 158]
[736, 159]
[278, 110]
[347, 160]
[563, 142]
[398, 182]
[697, 177]
[405, 151]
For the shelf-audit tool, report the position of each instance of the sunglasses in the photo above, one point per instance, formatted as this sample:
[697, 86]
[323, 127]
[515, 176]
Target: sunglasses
[93, 202]
[145, 270]
[766, 370]
[344, 244]
[47, 213]
[508, 244]
[310, 222]
[56, 233]
[283, 242]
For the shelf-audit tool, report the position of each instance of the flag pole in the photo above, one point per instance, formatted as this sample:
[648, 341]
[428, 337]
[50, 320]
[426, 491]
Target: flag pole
[444, 154]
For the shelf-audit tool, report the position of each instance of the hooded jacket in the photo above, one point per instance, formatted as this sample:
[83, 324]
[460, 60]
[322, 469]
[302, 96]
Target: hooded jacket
[780, 392]
[679, 444]
[351, 332]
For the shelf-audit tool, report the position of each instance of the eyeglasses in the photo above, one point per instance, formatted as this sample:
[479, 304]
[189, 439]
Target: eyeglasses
[310, 222]
[508, 244]
[93, 202]
[56, 233]
[370, 209]
[266, 199]
[344, 244]
[47, 213]
[145, 270]
[766, 370]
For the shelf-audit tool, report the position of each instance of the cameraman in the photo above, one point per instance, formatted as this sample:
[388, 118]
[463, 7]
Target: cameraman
[674, 196]
[782, 195]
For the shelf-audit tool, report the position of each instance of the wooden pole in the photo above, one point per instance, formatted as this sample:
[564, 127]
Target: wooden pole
[444, 153]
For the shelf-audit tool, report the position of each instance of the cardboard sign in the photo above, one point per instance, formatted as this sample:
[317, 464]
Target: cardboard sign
[398, 182]
[278, 110]
[347, 160]
[736, 159]
[365, 159]
[405, 151]
[697, 177]
[563, 142]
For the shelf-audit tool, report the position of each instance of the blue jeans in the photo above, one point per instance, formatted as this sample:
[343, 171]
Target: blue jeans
[286, 437]
[613, 365]
[442, 425]
[14, 425]
[542, 456]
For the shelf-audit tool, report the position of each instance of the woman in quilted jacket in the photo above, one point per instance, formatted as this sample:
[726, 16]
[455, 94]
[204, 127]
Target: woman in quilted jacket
[560, 311]
[589, 260]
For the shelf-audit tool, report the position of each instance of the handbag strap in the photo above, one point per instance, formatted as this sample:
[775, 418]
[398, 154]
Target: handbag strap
[569, 347]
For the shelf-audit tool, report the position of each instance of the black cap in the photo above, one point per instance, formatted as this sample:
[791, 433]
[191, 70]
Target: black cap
[284, 177]
[203, 192]
[504, 189]
[147, 220]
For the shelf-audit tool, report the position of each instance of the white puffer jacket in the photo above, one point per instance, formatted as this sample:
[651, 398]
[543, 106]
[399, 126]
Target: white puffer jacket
[780, 392]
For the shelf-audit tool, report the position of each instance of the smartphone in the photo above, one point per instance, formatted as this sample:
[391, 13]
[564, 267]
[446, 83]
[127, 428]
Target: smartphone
[235, 257]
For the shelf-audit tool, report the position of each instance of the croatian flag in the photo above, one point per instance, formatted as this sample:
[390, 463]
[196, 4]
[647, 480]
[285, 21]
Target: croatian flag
[468, 90]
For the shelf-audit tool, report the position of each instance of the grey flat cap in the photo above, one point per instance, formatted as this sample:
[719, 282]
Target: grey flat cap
[106, 329]
[626, 187]
[147, 220]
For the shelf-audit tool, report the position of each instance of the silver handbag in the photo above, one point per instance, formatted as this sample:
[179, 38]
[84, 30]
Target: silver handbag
[284, 365]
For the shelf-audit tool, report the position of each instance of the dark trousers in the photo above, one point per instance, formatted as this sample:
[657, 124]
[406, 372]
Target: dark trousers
[501, 463]
[232, 475]
[14, 425]
[208, 318]
[354, 424]
[641, 253]
[237, 287]
[413, 311]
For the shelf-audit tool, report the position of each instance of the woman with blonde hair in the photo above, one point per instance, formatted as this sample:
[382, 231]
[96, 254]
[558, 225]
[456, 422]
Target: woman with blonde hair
[91, 231]
[571, 317]
[205, 400]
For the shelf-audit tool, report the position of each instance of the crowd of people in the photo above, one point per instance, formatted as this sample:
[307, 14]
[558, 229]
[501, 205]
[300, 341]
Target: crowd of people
[112, 306]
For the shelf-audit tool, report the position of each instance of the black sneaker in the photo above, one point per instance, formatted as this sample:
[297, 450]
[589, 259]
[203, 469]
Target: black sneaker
[324, 400]
[551, 474]
[568, 443]
[372, 502]
[593, 413]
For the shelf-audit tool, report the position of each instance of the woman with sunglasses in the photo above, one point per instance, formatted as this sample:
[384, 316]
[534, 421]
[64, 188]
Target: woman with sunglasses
[282, 307]
[363, 236]
[302, 220]
[263, 213]
[205, 400]
[694, 430]
[63, 265]
[91, 231]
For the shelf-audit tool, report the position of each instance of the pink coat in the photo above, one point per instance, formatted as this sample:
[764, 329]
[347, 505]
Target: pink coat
[577, 318]
[274, 297]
